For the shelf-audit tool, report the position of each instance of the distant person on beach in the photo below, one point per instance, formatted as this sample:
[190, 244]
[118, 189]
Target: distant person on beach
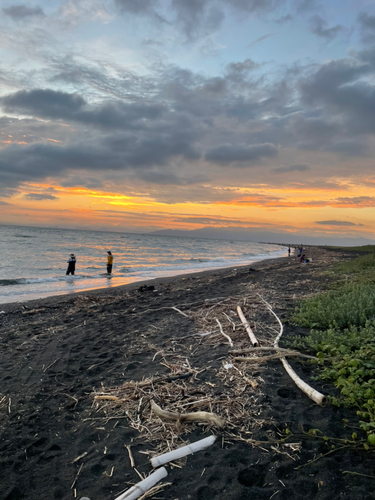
[289, 251]
[71, 264]
[300, 250]
[109, 262]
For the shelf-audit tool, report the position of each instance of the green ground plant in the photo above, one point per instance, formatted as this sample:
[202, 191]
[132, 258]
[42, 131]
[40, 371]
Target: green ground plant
[343, 337]
[350, 305]
[347, 359]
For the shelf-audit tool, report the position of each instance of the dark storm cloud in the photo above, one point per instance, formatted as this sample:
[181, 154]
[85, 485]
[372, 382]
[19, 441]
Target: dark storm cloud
[340, 87]
[118, 151]
[320, 28]
[367, 23]
[40, 196]
[336, 223]
[292, 168]
[232, 153]
[61, 105]
[18, 12]
[46, 103]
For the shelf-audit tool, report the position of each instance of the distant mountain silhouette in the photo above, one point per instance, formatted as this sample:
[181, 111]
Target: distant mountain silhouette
[256, 235]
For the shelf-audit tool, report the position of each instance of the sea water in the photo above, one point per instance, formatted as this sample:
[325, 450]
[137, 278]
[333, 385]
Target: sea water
[34, 260]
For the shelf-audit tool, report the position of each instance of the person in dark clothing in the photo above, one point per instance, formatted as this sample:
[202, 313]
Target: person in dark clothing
[289, 251]
[109, 262]
[71, 264]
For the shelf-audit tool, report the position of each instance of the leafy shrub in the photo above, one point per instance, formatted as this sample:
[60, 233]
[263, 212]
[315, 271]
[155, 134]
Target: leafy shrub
[347, 359]
[350, 305]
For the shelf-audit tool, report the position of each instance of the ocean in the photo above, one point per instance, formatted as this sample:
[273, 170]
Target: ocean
[34, 260]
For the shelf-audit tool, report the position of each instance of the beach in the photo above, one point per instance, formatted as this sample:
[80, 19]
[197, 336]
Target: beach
[65, 360]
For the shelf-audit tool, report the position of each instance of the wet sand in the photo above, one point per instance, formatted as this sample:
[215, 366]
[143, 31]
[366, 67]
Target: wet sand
[56, 354]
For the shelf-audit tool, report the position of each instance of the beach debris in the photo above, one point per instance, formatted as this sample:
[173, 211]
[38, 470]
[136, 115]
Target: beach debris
[143, 486]
[277, 355]
[79, 458]
[34, 311]
[131, 458]
[183, 451]
[198, 416]
[78, 473]
[225, 335]
[316, 396]
[146, 288]
[269, 348]
[250, 332]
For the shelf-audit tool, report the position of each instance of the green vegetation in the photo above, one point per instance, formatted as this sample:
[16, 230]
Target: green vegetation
[345, 342]
[351, 304]
[364, 248]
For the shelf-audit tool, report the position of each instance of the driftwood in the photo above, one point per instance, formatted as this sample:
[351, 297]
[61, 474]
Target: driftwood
[225, 335]
[183, 451]
[309, 391]
[263, 359]
[245, 323]
[280, 352]
[198, 416]
[143, 486]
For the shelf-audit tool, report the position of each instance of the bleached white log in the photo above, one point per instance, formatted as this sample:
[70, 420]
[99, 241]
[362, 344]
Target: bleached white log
[245, 323]
[309, 391]
[140, 488]
[183, 451]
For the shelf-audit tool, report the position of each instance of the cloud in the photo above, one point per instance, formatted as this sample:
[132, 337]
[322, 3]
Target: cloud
[40, 196]
[367, 26]
[343, 88]
[292, 168]
[336, 223]
[5, 203]
[260, 39]
[283, 19]
[46, 103]
[196, 18]
[230, 153]
[303, 6]
[319, 27]
[21, 12]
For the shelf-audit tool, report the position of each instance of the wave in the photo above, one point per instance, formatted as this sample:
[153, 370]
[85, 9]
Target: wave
[51, 279]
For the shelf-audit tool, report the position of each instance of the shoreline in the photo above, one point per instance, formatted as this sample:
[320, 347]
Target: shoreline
[62, 351]
[9, 306]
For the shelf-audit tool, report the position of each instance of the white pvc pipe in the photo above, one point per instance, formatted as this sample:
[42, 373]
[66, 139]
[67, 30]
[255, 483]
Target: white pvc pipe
[140, 488]
[182, 452]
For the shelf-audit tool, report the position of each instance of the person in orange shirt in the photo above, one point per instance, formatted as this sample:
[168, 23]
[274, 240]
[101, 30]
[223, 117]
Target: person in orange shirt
[109, 262]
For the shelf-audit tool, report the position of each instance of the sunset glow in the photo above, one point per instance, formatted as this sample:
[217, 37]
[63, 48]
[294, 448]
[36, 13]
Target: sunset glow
[259, 121]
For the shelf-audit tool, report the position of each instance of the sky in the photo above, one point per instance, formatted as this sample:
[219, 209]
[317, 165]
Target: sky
[144, 115]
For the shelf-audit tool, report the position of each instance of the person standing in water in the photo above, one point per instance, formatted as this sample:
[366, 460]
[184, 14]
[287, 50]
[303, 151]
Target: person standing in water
[109, 262]
[71, 264]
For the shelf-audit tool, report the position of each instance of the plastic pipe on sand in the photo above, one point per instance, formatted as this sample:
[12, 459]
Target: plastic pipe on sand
[140, 488]
[182, 452]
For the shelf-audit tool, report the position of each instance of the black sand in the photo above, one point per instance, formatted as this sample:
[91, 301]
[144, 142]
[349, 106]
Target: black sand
[56, 352]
